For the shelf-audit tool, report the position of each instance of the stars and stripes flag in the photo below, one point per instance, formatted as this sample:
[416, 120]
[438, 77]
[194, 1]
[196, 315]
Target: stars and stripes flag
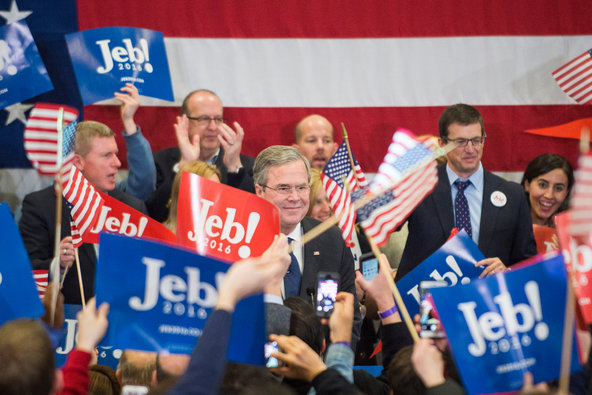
[75, 233]
[84, 200]
[581, 202]
[405, 187]
[41, 278]
[338, 169]
[575, 78]
[41, 137]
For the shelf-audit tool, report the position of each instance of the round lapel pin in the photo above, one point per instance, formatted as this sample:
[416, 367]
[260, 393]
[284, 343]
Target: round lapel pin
[498, 199]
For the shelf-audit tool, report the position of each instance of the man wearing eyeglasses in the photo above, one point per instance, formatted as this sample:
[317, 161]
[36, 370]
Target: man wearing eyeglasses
[201, 135]
[282, 175]
[493, 211]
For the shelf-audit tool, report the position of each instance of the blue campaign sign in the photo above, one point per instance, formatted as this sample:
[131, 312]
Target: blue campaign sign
[19, 297]
[507, 324]
[22, 72]
[161, 297]
[107, 355]
[454, 262]
[106, 59]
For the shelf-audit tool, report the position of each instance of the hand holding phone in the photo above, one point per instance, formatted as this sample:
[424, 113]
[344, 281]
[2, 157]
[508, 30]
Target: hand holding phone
[270, 348]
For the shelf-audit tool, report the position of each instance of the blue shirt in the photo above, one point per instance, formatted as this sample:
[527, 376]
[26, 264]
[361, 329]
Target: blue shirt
[474, 195]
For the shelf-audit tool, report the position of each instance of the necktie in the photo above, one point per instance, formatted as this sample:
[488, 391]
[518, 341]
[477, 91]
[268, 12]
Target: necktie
[292, 277]
[461, 207]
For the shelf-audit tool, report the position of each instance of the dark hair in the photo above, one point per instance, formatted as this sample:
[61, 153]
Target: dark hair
[238, 376]
[305, 324]
[401, 375]
[460, 113]
[545, 163]
[103, 381]
[136, 367]
[27, 357]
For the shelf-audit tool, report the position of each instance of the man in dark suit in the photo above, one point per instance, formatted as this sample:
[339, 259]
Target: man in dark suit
[281, 175]
[202, 135]
[96, 157]
[498, 217]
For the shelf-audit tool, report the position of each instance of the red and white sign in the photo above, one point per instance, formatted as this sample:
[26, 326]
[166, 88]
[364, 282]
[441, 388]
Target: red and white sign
[577, 253]
[119, 218]
[224, 222]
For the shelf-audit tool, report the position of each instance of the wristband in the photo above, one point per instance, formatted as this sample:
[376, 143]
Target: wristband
[388, 313]
[344, 343]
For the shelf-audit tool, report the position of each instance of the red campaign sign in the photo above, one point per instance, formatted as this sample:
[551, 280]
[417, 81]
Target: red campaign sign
[577, 253]
[223, 222]
[119, 218]
[543, 236]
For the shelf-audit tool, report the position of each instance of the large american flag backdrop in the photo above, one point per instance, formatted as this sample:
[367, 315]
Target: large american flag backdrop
[374, 65]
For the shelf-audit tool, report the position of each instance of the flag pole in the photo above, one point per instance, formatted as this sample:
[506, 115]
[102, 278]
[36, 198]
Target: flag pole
[58, 220]
[81, 287]
[349, 152]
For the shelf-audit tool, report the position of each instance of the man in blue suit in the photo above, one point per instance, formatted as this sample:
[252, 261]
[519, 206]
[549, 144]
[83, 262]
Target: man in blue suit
[492, 210]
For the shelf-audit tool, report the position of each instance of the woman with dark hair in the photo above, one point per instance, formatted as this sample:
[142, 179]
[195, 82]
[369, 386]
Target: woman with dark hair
[547, 181]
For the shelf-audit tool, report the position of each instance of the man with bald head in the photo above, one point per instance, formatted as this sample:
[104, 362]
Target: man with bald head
[314, 139]
[201, 135]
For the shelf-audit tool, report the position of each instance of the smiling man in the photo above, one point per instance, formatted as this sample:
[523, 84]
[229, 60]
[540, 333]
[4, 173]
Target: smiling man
[96, 157]
[282, 175]
[314, 139]
[493, 211]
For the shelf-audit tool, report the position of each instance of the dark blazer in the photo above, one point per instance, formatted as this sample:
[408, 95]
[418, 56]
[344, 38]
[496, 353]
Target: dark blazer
[37, 227]
[504, 232]
[328, 253]
[166, 158]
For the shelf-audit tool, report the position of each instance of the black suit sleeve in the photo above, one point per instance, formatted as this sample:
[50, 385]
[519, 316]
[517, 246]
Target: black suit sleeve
[36, 233]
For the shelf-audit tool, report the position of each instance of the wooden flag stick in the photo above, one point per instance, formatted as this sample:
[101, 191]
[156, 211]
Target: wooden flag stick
[584, 140]
[349, 153]
[398, 299]
[81, 287]
[58, 220]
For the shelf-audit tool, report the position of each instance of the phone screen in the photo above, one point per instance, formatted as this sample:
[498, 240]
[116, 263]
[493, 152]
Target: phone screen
[326, 293]
[369, 268]
[428, 319]
[271, 362]
[134, 390]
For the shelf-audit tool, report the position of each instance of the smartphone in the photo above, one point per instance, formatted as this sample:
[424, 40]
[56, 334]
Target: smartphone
[270, 348]
[134, 390]
[327, 285]
[369, 265]
[428, 316]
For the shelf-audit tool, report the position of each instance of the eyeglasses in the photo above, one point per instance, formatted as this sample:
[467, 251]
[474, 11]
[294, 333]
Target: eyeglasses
[287, 189]
[476, 141]
[205, 120]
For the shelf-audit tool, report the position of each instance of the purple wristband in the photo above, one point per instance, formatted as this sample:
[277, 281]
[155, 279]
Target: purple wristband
[388, 313]
[344, 343]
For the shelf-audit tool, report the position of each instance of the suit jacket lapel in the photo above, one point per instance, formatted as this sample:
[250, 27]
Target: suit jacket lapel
[443, 201]
[489, 212]
[311, 260]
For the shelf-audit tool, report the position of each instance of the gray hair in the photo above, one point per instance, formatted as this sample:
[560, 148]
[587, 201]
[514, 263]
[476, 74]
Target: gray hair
[276, 155]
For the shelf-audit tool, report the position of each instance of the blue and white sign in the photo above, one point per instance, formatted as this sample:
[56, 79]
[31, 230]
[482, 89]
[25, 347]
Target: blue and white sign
[18, 293]
[107, 355]
[22, 72]
[161, 297]
[454, 262]
[106, 59]
[506, 325]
